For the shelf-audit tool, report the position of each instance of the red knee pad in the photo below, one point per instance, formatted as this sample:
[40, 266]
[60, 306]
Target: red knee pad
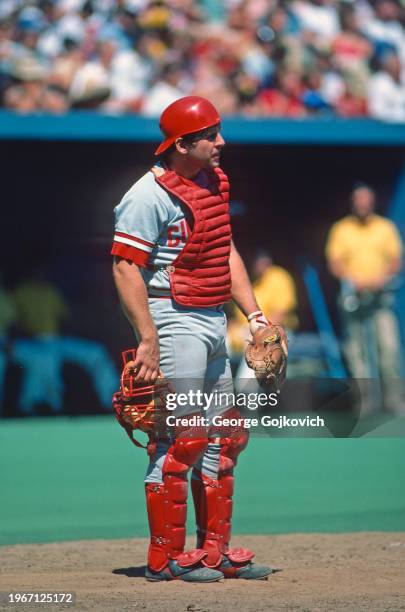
[183, 454]
[233, 441]
[230, 450]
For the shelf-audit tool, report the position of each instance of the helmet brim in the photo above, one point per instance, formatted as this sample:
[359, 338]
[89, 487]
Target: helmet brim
[168, 142]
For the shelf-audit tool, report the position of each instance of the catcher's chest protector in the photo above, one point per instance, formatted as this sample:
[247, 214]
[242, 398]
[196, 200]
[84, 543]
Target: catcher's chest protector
[200, 275]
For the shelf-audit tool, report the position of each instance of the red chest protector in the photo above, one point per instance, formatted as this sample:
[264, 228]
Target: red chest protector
[200, 276]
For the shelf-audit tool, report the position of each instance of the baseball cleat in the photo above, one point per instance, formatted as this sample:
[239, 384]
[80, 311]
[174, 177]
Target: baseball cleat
[247, 571]
[173, 571]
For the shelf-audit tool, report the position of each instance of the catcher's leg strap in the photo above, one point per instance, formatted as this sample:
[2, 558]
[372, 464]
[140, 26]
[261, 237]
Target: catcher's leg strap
[213, 501]
[167, 506]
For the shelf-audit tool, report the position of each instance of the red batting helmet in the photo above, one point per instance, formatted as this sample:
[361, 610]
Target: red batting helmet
[186, 116]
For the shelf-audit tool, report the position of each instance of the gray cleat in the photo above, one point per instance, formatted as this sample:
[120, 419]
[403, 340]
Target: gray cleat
[173, 571]
[247, 571]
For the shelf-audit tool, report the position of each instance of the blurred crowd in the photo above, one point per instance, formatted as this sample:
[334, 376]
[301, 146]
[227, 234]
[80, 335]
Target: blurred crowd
[263, 58]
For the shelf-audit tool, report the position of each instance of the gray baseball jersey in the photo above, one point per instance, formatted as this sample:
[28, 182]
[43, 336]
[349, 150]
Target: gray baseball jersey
[150, 229]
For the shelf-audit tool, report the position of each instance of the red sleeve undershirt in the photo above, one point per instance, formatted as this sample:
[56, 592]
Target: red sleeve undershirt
[131, 253]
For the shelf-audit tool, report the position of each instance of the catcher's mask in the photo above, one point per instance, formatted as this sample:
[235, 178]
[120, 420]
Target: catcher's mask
[137, 392]
[138, 405]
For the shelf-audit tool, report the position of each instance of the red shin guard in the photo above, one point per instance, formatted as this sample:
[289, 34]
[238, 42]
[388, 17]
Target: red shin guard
[213, 504]
[167, 506]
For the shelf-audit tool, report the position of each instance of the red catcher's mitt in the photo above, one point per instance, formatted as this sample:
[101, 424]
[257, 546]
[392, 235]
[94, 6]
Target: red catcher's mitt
[267, 354]
[140, 405]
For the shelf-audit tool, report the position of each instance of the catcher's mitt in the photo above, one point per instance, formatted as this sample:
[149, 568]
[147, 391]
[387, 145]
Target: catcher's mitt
[140, 406]
[267, 354]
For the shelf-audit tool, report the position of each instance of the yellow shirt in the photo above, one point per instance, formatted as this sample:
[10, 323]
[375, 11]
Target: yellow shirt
[40, 308]
[275, 294]
[365, 250]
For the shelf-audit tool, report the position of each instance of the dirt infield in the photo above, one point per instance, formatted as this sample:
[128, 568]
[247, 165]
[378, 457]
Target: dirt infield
[317, 572]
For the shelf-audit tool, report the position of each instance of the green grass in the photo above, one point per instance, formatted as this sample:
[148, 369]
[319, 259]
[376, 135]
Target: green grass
[80, 478]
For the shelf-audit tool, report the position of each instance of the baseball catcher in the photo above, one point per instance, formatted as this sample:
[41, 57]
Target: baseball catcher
[175, 266]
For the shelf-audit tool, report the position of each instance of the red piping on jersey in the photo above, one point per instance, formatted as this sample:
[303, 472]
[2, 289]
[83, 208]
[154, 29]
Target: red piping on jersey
[201, 274]
[131, 253]
[135, 239]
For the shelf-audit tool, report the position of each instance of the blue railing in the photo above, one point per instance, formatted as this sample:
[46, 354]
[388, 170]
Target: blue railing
[88, 125]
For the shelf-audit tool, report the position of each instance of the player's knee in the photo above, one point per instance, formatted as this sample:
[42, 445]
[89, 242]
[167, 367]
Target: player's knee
[232, 447]
[184, 453]
[234, 441]
[189, 450]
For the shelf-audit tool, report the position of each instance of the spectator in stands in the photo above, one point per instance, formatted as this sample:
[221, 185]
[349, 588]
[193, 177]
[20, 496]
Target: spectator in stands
[8, 47]
[130, 74]
[386, 92]
[257, 55]
[216, 71]
[114, 56]
[28, 91]
[352, 51]
[66, 65]
[332, 85]
[317, 16]
[246, 88]
[351, 102]
[168, 88]
[364, 252]
[312, 96]
[350, 46]
[384, 29]
[285, 98]
[30, 24]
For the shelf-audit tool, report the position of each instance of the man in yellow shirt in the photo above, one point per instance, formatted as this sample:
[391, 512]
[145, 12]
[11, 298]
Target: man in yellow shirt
[274, 289]
[364, 251]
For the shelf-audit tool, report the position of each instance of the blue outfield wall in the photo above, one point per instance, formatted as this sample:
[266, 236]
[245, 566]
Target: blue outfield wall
[91, 126]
